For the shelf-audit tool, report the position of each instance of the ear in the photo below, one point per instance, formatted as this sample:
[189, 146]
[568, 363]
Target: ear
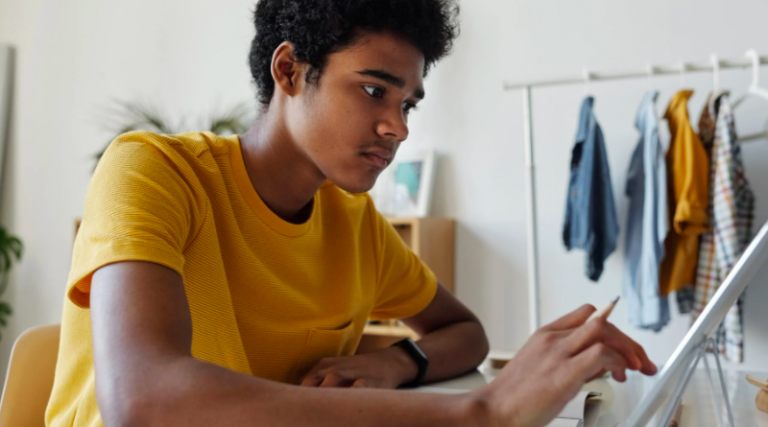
[287, 73]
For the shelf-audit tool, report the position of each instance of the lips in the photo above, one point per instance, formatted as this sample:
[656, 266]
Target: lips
[379, 156]
[377, 160]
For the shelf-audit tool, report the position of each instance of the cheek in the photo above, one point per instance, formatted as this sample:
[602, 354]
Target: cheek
[335, 131]
[314, 128]
[330, 129]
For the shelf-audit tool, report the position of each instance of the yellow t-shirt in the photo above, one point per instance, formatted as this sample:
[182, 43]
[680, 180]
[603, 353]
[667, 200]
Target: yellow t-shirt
[267, 298]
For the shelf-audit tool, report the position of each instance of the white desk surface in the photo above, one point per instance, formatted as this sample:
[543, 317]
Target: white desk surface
[619, 399]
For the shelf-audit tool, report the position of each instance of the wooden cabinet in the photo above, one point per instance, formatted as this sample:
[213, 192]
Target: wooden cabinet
[433, 240]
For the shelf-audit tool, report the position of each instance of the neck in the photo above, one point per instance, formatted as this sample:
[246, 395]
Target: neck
[281, 173]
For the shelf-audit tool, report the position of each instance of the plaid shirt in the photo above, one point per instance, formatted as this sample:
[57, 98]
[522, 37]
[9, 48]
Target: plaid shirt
[707, 125]
[731, 212]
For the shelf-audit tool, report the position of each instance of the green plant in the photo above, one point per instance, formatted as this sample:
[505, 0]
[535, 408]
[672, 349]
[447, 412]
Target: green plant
[131, 116]
[11, 250]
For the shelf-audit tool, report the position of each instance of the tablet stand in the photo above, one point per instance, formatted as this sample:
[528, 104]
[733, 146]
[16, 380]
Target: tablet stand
[701, 352]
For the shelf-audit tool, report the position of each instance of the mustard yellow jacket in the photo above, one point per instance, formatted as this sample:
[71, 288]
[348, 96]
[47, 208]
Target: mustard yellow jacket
[688, 195]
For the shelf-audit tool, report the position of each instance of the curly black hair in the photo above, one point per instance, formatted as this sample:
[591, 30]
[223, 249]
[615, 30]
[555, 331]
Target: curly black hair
[318, 28]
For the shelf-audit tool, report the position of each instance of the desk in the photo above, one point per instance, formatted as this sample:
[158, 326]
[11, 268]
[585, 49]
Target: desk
[621, 398]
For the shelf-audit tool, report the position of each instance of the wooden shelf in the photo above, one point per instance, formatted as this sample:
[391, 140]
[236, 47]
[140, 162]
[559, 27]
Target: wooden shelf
[432, 239]
[391, 331]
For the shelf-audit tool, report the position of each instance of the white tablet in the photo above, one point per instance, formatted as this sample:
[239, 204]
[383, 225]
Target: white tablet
[705, 327]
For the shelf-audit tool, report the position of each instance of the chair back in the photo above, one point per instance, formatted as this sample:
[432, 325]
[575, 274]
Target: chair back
[29, 381]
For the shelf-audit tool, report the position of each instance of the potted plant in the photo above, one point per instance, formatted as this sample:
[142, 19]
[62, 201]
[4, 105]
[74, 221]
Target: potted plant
[11, 250]
[131, 116]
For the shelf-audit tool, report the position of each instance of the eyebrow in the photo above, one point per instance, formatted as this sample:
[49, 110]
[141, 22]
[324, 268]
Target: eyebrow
[392, 79]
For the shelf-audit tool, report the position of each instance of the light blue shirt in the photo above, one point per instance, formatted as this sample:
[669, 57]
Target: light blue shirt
[647, 223]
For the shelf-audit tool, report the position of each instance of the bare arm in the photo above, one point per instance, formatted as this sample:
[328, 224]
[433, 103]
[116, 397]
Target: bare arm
[452, 337]
[146, 375]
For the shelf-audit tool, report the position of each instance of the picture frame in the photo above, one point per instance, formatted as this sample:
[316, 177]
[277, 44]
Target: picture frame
[404, 189]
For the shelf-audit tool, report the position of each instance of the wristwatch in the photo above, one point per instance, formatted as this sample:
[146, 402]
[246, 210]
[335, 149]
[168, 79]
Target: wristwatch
[418, 356]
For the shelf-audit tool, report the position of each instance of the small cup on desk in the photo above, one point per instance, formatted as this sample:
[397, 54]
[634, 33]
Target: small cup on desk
[496, 361]
[761, 400]
[675, 422]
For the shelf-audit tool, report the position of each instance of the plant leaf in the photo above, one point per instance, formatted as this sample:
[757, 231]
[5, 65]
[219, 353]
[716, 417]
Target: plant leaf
[5, 308]
[16, 246]
[132, 116]
[5, 261]
[234, 121]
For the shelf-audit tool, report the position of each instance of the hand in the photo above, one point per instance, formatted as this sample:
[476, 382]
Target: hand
[553, 365]
[386, 368]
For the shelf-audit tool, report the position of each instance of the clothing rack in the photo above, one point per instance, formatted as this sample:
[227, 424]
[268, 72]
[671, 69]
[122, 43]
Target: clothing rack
[714, 66]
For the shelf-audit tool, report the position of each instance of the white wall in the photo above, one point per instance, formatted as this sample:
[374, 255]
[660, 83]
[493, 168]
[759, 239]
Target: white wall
[479, 128]
[74, 57]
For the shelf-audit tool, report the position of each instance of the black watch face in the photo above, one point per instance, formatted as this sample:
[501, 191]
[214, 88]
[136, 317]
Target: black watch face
[418, 356]
[414, 351]
[417, 349]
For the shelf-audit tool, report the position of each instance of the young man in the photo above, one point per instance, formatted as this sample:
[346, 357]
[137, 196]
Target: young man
[226, 281]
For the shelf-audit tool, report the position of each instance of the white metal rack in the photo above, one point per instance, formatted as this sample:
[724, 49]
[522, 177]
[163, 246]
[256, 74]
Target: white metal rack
[714, 66]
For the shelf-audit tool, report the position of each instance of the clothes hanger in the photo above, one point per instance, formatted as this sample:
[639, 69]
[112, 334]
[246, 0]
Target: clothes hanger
[715, 82]
[683, 69]
[715, 72]
[651, 70]
[587, 78]
[754, 88]
[754, 136]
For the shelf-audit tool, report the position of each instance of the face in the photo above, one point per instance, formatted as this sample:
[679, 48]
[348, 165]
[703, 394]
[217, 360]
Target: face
[353, 120]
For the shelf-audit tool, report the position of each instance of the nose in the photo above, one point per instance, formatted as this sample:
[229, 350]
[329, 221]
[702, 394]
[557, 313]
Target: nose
[393, 126]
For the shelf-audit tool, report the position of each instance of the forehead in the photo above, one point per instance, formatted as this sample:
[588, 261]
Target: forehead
[382, 51]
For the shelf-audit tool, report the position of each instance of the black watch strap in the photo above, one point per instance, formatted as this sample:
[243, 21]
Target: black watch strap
[418, 356]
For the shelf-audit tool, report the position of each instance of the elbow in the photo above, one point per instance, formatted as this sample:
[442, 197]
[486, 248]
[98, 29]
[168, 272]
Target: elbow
[484, 344]
[479, 342]
[125, 406]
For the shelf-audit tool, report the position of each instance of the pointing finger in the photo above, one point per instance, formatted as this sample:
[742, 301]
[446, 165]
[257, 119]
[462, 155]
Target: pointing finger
[571, 320]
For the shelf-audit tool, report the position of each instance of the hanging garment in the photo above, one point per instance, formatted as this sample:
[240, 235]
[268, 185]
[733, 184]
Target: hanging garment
[647, 223]
[687, 193]
[590, 212]
[733, 205]
[707, 125]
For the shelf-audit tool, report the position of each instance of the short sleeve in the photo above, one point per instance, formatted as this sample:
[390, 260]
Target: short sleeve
[138, 208]
[406, 285]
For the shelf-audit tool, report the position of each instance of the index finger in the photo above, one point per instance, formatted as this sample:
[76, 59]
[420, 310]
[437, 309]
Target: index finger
[571, 320]
[600, 330]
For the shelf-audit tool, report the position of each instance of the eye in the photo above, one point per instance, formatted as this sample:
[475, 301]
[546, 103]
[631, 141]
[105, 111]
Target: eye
[374, 91]
[408, 107]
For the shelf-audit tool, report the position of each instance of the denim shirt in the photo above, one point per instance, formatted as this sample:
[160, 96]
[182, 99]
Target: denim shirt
[647, 223]
[590, 211]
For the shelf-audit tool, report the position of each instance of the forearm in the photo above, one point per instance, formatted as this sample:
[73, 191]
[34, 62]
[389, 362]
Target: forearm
[454, 349]
[193, 393]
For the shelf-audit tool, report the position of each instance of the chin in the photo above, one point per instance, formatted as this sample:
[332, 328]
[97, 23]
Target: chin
[355, 184]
